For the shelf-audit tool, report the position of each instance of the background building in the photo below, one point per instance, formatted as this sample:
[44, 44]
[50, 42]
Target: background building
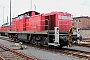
[84, 22]
[84, 25]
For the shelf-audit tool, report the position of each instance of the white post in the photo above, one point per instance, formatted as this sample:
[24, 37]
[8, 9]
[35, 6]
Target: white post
[78, 34]
[56, 35]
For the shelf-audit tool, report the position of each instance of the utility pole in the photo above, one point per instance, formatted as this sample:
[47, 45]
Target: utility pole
[3, 15]
[10, 15]
[35, 7]
[7, 19]
[31, 4]
[13, 14]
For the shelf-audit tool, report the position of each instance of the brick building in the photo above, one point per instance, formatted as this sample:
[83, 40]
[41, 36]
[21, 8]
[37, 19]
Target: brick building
[84, 22]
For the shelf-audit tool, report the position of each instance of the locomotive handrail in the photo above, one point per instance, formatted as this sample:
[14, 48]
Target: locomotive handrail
[42, 25]
[70, 34]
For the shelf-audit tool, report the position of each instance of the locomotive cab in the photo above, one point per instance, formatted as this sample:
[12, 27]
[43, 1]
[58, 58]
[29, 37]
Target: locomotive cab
[61, 36]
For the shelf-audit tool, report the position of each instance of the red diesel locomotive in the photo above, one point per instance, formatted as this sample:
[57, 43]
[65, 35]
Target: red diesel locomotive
[51, 29]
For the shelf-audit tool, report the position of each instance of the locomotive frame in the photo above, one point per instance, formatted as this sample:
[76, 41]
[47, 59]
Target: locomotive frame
[47, 34]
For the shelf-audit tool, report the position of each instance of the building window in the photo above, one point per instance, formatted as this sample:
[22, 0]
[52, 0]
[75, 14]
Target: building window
[19, 17]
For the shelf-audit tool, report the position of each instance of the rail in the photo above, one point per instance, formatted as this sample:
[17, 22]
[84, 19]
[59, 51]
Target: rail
[15, 52]
[1, 58]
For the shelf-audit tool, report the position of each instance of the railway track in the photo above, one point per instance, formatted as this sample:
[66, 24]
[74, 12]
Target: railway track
[77, 53]
[83, 45]
[7, 53]
[66, 51]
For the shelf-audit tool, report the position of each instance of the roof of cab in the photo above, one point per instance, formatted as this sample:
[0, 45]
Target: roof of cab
[29, 12]
[25, 13]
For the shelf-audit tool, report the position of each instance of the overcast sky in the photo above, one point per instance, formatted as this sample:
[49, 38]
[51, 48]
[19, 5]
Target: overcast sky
[75, 7]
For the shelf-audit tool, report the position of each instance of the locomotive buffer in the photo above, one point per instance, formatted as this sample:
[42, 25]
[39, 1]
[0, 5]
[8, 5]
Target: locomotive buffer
[57, 37]
[56, 40]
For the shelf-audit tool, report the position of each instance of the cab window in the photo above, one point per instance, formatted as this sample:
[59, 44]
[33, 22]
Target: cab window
[19, 17]
[26, 15]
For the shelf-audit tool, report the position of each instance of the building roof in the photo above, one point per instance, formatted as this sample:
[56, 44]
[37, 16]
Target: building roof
[81, 17]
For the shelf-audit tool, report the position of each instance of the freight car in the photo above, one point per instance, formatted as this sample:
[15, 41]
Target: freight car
[52, 29]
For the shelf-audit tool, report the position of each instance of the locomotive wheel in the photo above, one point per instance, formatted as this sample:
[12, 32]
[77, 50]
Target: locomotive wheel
[32, 41]
[42, 42]
[17, 40]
